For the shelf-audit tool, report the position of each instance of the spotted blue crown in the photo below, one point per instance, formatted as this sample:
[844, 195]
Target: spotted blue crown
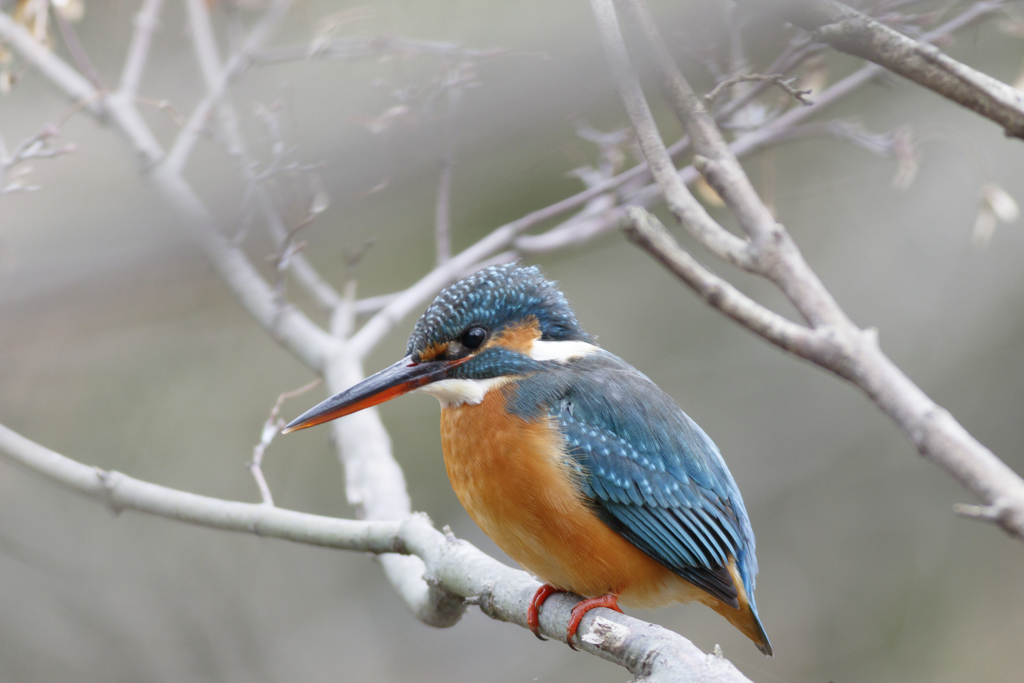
[492, 298]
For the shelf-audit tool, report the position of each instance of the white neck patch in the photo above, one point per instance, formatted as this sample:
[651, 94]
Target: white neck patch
[562, 351]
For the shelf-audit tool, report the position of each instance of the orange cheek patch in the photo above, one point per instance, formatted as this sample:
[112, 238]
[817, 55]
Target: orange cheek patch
[518, 337]
[433, 352]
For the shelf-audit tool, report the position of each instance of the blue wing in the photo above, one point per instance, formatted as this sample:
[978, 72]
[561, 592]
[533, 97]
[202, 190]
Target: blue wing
[654, 476]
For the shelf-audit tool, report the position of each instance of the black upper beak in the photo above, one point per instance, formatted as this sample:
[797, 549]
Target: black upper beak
[398, 379]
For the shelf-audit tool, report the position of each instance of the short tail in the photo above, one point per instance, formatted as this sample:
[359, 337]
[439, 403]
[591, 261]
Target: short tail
[761, 641]
[745, 618]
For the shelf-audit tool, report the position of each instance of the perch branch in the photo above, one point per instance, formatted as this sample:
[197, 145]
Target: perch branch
[653, 654]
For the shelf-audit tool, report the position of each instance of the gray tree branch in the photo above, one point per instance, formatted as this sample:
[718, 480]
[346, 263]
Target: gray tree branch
[852, 31]
[690, 213]
[648, 232]
[774, 254]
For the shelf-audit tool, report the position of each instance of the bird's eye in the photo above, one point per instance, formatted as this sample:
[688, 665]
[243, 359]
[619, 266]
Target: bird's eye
[474, 337]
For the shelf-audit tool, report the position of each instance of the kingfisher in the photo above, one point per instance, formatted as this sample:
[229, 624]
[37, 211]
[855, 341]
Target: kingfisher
[575, 463]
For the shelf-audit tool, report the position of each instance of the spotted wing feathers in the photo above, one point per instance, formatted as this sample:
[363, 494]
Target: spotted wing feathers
[652, 474]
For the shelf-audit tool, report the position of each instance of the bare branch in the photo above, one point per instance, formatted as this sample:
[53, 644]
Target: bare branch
[75, 49]
[205, 43]
[849, 30]
[687, 210]
[773, 254]
[218, 81]
[571, 233]
[442, 211]
[375, 483]
[290, 248]
[146, 23]
[121, 492]
[78, 89]
[286, 324]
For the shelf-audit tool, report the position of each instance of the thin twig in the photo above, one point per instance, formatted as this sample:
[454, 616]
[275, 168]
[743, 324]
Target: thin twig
[271, 428]
[359, 48]
[146, 23]
[648, 232]
[775, 79]
[400, 304]
[36, 147]
[442, 211]
[367, 437]
[721, 168]
[78, 54]
[374, 483]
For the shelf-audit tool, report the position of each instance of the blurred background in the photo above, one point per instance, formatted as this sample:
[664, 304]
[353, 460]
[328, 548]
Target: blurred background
[120, 347]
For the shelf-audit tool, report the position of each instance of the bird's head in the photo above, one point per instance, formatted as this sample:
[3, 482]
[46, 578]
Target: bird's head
[497, 324]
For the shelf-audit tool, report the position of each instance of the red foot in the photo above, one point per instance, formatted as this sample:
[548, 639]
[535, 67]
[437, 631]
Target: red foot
[609, 600]
[532, 618]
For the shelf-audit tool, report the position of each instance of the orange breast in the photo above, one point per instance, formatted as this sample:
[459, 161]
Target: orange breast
[511, 477]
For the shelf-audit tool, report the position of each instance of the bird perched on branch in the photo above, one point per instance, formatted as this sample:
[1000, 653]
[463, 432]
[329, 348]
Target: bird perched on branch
[572, 461]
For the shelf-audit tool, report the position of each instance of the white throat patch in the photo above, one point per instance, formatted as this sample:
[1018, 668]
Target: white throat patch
[455, 392]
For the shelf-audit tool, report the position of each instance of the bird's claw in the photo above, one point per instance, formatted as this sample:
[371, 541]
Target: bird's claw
[580, 609]
[532, 613]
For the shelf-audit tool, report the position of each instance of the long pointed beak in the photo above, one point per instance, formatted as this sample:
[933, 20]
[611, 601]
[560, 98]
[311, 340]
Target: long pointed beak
[398, 379]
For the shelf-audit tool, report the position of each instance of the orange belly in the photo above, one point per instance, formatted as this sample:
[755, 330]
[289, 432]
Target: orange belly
[511, 477]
